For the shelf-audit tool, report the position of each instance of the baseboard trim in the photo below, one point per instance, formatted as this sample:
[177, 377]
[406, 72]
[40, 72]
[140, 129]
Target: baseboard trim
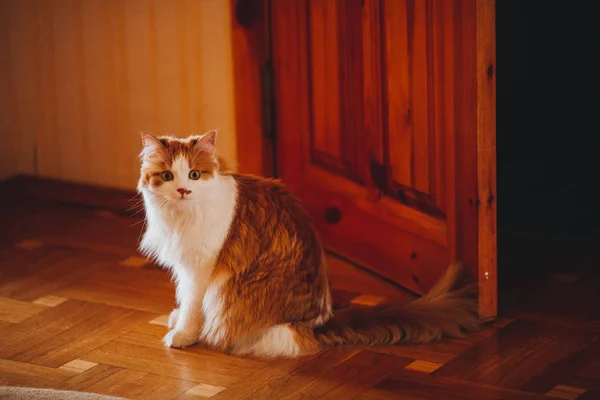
[81, 194]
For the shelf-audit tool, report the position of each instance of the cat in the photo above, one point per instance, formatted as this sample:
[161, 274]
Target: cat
[250, 270]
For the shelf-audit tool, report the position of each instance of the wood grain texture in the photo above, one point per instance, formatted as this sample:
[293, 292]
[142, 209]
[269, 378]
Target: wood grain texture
[472, 39]
[398, 86]
[486, 158]
[250, 48]
[17, 311]
[526, 348]
[326, 32]
[79, 80]
[373, 92]
[410, 384]
[407, 198]
[103, 338]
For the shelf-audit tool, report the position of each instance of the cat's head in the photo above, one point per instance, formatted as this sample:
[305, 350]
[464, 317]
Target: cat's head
[179, 170]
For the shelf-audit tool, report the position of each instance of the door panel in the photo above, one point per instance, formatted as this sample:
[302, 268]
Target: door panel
[408, 82]
[378, 126]
[334, 91]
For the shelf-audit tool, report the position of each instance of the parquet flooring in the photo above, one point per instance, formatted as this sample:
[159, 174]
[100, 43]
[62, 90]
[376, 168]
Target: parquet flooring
[80, 310]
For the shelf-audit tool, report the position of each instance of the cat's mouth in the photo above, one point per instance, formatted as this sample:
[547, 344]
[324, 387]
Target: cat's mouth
[181, 200]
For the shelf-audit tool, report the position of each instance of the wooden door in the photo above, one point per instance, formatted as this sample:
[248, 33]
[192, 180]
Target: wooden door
[385, 126]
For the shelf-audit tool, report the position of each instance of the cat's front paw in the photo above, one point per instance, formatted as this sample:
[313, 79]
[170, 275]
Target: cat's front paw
[173, 317]
[179, 339]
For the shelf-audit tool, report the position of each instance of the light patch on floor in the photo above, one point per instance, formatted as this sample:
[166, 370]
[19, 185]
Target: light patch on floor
[29, 244]
[50, 301]
[565, 392]
[205, 390]
[134, 262]
[423, 366]
[15, 311]
[160, 320]
[367, 300]
[77, 366]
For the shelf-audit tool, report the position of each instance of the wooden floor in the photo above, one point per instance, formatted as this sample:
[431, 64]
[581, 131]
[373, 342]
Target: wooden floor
[80, 310]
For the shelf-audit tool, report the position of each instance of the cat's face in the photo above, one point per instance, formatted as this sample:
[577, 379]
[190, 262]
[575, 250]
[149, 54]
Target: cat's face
[178, 171]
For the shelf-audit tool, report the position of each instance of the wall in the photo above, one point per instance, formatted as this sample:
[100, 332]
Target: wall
[79, 79]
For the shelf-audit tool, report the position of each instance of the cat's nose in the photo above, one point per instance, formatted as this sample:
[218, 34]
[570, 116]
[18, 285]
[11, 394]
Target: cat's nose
[182, 191]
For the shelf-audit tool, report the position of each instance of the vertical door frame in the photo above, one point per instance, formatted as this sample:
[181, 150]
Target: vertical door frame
[473, 203]
[486, 157]
[251, 54]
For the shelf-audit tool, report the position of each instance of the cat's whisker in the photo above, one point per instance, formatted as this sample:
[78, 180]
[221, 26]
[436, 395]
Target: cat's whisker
[137, 223]
[139, 239]
[138, 204]
[137, 212]
[136, 207]
[133, 213]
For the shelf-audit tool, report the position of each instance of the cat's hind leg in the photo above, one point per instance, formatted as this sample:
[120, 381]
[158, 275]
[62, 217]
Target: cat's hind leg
[248, 315]
[282, 341]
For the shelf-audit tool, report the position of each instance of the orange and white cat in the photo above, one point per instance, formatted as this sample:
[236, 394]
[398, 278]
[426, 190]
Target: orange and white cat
[250, 269]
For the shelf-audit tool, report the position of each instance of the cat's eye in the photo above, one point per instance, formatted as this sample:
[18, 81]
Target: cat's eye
[194, 174]
[167, 176]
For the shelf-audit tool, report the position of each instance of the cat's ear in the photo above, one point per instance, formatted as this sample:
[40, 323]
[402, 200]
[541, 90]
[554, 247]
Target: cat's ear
[207, 141]
[149, 139]
[151, 144]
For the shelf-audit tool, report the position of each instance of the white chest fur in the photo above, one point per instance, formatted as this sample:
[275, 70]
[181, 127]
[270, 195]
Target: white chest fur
[188, 237]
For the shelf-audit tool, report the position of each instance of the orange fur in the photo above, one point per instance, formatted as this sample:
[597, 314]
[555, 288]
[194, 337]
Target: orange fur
[275, 258]
[270, 275]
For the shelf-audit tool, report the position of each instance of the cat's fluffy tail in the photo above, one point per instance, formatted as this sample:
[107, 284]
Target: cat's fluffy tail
[443, 312]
